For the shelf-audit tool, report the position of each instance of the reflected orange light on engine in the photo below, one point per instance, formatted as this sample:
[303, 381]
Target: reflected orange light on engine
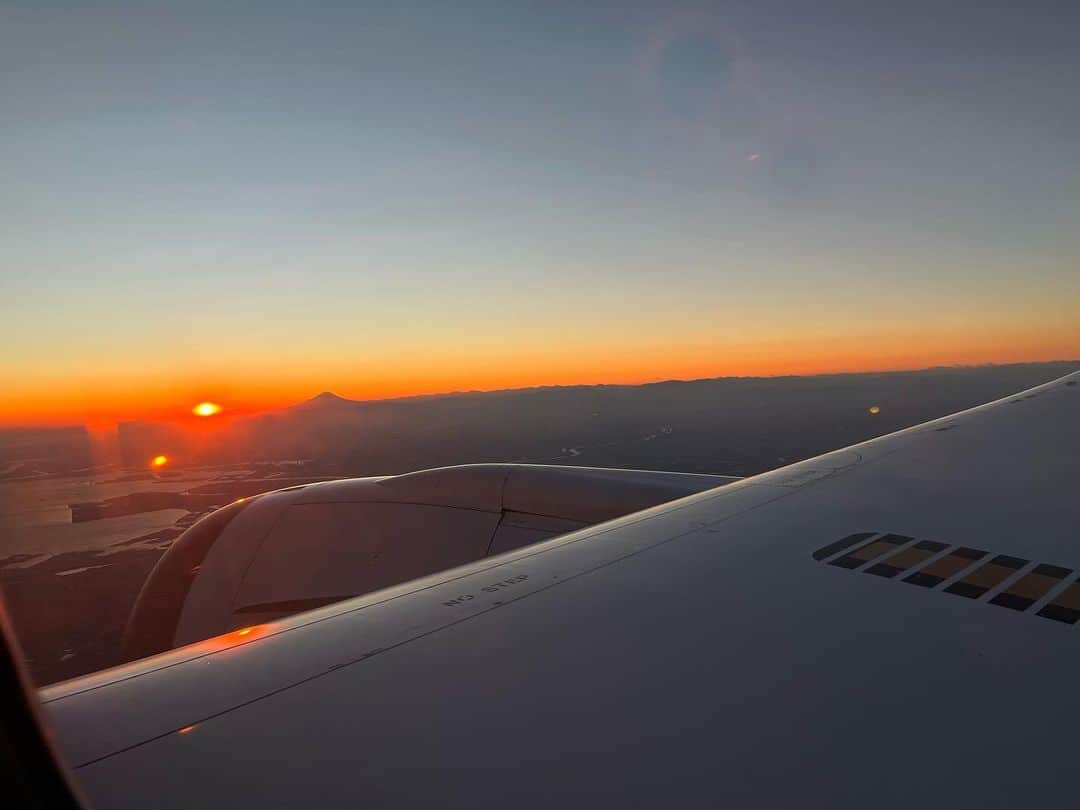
[234, 638]
[206, 409]
[159, 461]
[187, 729]
[246, 633]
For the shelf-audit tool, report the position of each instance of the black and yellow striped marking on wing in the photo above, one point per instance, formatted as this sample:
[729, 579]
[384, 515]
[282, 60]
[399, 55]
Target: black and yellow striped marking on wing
[945, 567]
[987, 576]
[1011, 582]
[1065, 607]
[906, 558]
[840, 545]
[877, 547]
[1031, 587]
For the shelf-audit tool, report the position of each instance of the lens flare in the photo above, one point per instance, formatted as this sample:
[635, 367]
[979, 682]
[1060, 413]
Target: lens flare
[875, 409]
[206, 409]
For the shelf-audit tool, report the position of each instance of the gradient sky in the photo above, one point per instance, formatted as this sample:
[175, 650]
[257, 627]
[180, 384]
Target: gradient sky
[253, 202]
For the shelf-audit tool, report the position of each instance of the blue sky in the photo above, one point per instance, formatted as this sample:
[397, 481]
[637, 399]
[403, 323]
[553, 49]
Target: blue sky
[260, 180]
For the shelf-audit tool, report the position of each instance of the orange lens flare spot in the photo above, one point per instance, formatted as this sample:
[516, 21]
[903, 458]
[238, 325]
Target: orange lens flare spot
[159, 461]
[247, 633]
[234, 638]
[206, 409]
[875, 409]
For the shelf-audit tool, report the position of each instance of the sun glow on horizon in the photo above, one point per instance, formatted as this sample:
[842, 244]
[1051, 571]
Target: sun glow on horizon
[127, 395]
[158, 462]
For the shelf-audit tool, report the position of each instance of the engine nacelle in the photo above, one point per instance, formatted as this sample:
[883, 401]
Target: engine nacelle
[299, 548]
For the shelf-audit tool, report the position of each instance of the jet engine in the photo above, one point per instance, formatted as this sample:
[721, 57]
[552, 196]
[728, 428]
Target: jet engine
[295, 549]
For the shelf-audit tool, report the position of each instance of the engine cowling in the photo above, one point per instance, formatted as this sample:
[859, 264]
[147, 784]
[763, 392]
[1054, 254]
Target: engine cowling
[299, 548]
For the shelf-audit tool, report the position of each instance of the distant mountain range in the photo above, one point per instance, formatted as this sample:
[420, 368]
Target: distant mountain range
[724, 425]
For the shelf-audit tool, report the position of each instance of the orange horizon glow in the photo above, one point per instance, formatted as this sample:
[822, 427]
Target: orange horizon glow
[110, 399]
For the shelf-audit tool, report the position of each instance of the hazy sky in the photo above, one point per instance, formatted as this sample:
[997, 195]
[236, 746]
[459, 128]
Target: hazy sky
[257, 201]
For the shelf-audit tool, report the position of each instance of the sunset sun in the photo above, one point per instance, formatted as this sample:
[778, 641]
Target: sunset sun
[206, 409]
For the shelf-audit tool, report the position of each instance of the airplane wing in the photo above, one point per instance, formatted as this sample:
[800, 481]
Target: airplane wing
[885, 625]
